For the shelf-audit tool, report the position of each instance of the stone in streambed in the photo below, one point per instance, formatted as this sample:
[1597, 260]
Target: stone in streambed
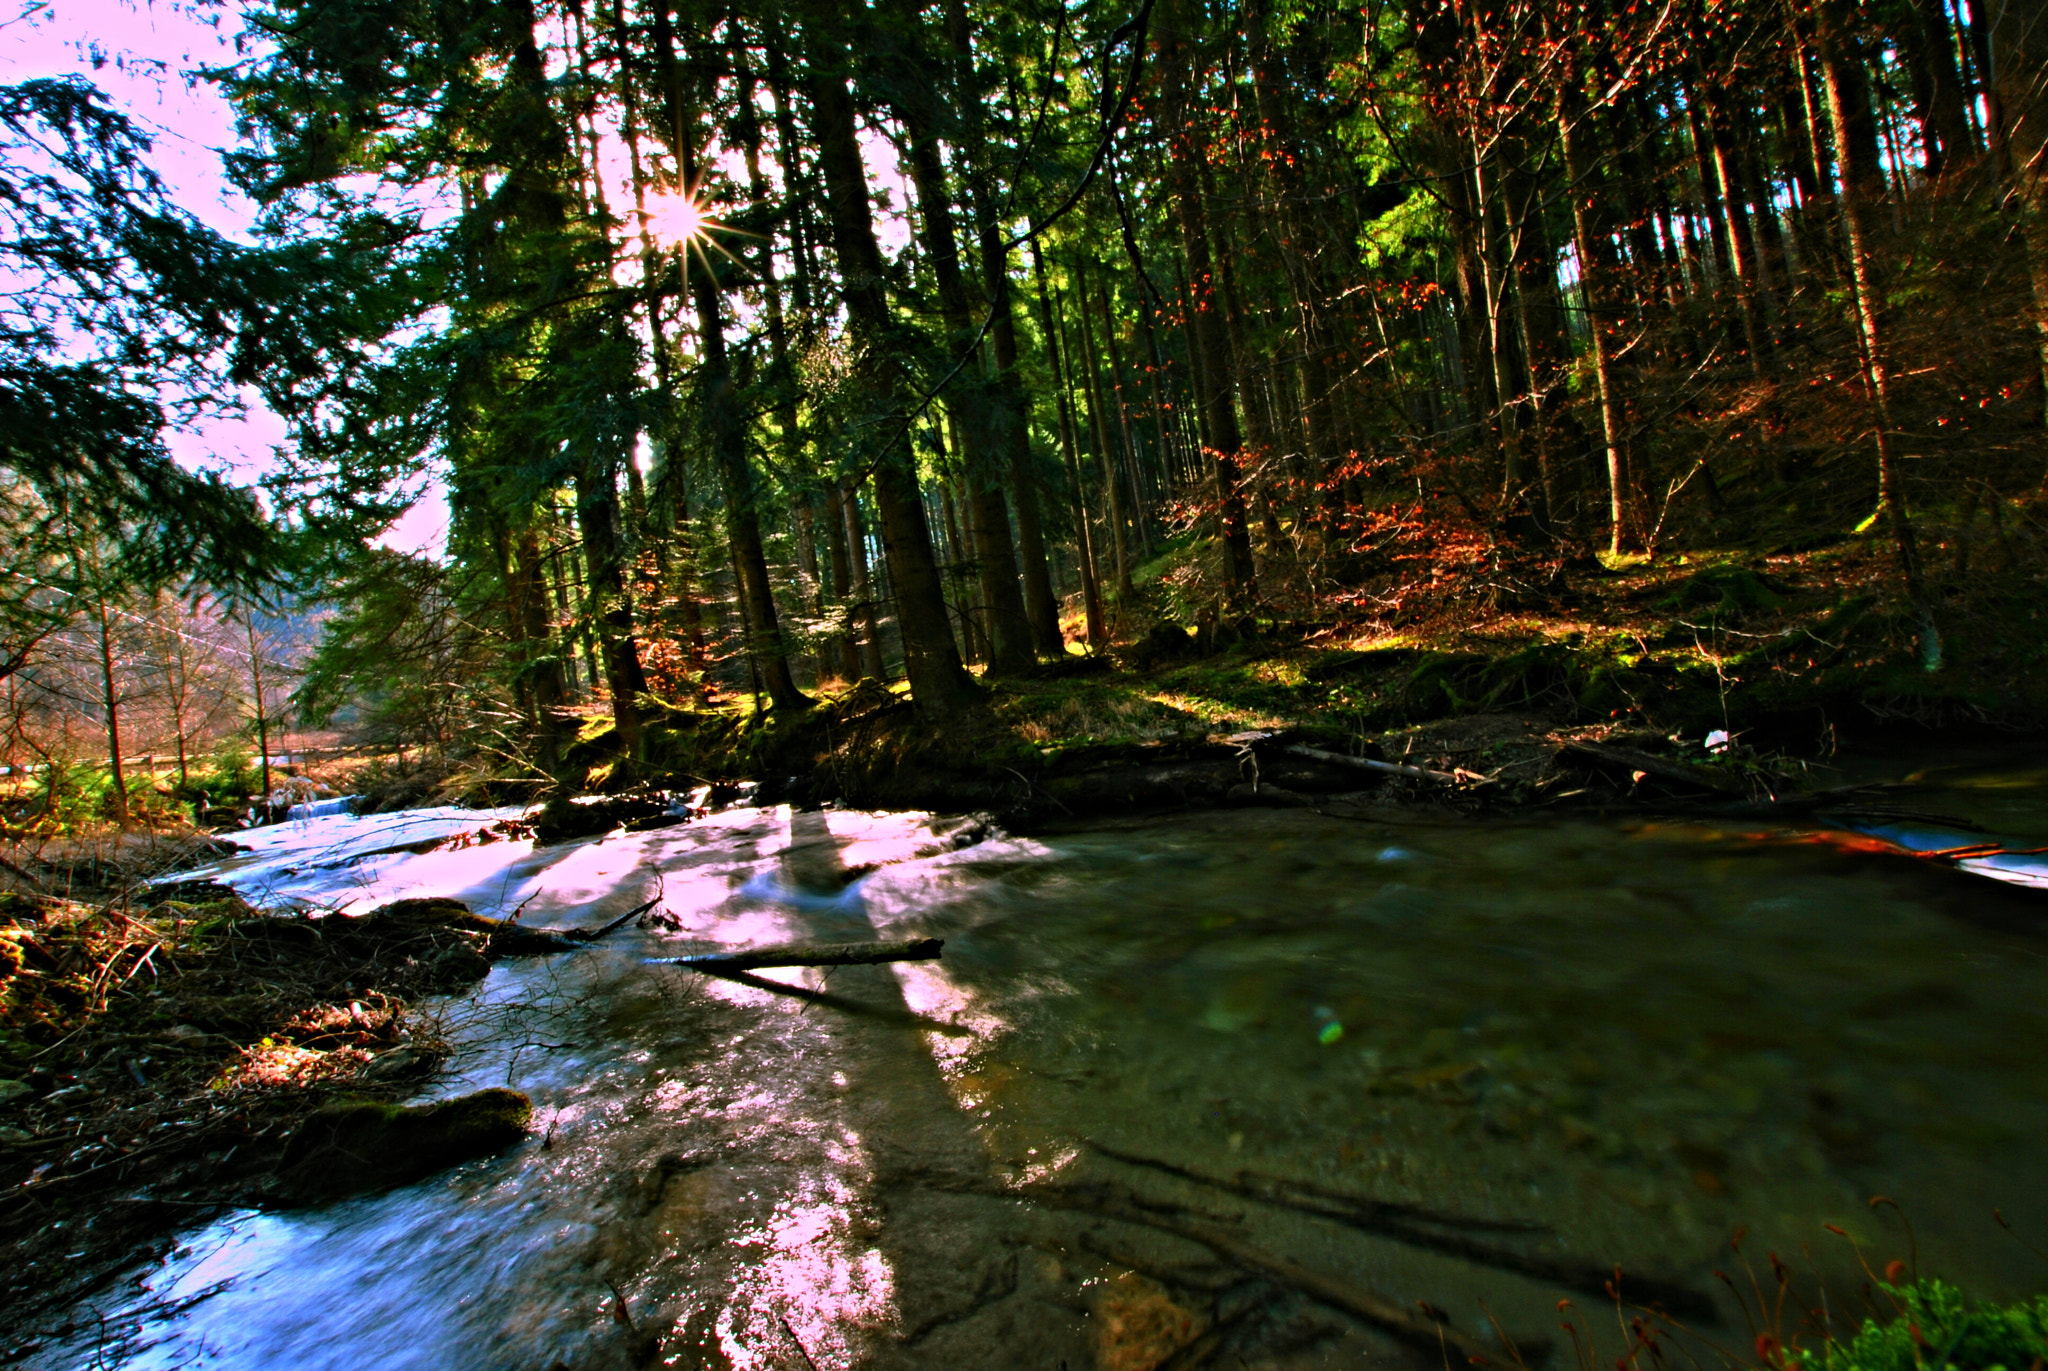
[355, 1145]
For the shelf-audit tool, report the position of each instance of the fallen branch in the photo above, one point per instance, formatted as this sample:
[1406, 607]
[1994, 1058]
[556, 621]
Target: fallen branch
[809, 954]
[508, 939]
[1368, 764]
[20, 873]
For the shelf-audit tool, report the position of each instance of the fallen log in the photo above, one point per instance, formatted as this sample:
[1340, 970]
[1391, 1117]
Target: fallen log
[1368, 764]
[809, 954]
[508, 939]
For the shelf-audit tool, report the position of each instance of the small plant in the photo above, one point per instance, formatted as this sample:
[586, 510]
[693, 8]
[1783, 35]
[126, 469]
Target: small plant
[1935, 1329]
[70, 796]
[229, 779]
[1913, 1325]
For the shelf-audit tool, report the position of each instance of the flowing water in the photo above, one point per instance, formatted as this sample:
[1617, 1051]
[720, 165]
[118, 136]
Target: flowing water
[1614, 1042]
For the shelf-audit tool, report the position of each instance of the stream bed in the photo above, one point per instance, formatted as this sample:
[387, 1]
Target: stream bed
[1470, 1064]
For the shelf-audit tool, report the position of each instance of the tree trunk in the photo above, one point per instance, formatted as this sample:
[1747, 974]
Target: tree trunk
[939, 684]
[868, 649]
[110, 696]
[2019, 51]
[1214, 365]
[726, 433]
[1049, 321]
[611, 612]
[1836, 66]
[1009, 409]
[979, 430]
[1099, 420]
[1585, 194]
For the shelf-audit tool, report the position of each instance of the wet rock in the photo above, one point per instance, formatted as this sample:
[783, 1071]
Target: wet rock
[193, 892]
[15, 1137]
[400, 1064]
[1267, 796]
[563, 820]
[11, 1091]
[353, 1146]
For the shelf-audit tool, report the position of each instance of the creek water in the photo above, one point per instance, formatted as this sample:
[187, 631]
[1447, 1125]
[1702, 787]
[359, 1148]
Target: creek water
[1619, 1042]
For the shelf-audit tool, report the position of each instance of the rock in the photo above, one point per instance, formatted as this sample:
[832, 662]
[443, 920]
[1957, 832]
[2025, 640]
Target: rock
[563, 820]
[15, 1137]
[459, 965]
[1266, 794]
[400, 1063]
[1165, 643]
[185, 1033]
[193, 892]
[11, 1091]
[353, 1145]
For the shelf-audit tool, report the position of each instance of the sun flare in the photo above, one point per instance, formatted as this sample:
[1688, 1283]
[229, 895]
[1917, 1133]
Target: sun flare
[676, 220]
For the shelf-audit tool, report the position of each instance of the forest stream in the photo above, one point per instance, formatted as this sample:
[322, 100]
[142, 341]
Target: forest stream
[1477, 1065]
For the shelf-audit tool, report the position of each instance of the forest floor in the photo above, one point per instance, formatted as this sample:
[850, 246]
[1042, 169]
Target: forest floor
[1736, 675]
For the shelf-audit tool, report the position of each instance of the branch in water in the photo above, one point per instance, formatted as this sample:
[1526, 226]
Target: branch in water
[810, 954]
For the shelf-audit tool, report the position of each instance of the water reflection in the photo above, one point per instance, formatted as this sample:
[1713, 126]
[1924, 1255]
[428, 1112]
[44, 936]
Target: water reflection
[1613, 1043]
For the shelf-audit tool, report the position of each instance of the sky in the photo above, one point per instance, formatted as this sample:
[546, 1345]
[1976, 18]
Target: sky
[139, 54]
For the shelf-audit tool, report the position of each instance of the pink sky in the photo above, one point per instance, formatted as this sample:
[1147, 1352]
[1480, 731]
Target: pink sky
[139, 55]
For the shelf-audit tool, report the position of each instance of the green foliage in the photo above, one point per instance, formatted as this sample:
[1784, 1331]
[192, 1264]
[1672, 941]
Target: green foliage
[120, 314]
[1935, 1329]
[402, 656]
[71, 795]
[229, 777]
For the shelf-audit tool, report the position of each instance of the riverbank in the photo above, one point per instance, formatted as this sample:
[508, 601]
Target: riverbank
[159, 1054]
[1735, 676]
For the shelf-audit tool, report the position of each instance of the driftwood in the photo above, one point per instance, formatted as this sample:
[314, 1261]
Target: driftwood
[809, 954]
[1368, 764]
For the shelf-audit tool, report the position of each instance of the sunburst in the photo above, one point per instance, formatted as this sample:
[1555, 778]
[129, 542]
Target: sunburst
[677, 220]
[680, 220]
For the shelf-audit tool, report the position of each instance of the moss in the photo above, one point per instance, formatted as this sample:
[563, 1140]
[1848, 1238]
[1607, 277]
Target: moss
[1936, 1328]
[1726, 589]
[357, 1145]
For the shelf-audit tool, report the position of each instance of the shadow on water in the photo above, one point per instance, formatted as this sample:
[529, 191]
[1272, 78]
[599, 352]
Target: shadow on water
[1276, 1065]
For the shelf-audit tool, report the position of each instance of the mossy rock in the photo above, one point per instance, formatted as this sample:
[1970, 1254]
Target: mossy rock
[1731, 590]
[354, 1145]
[564, 820]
